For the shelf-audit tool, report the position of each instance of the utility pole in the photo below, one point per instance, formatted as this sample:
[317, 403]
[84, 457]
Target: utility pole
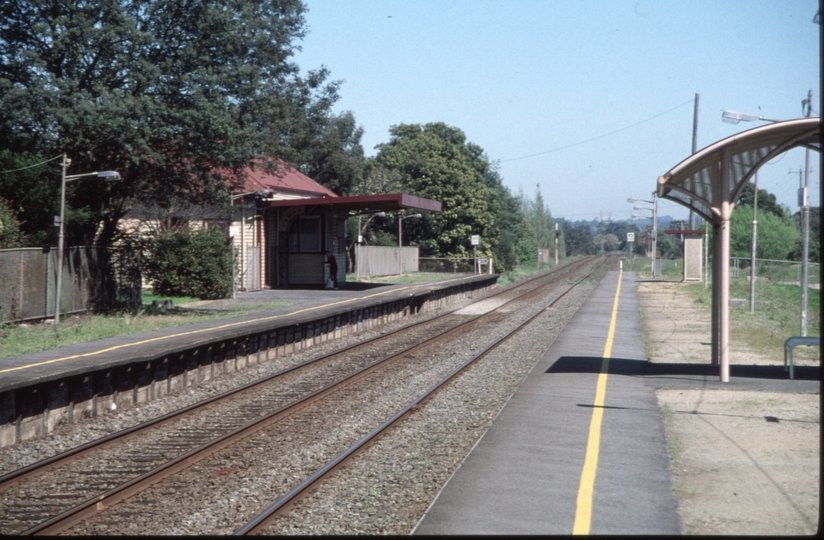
[805, 221]
[694, 148]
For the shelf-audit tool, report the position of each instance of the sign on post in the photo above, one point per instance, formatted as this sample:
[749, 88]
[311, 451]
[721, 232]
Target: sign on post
[476, 239]
[630, 237]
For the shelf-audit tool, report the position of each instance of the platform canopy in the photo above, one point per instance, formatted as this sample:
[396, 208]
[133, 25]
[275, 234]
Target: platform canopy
[709, 182]
[697, 183]
[364, 204]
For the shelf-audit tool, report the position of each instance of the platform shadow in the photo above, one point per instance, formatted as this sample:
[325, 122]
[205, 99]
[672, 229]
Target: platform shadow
[644, 368]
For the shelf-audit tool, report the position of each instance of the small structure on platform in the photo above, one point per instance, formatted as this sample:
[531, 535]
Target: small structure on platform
[692, 243]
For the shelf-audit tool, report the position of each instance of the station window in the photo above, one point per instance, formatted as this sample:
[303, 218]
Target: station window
[304, 234]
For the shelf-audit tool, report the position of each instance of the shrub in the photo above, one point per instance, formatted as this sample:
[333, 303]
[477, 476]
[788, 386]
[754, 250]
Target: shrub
[191, 263]
[10, 234]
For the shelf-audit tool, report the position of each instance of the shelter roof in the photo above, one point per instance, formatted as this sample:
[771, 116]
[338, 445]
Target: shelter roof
[364, 204]
[696, 181]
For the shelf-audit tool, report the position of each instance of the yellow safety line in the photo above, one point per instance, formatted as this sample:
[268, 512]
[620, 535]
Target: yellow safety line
[192, 332]
[583, 511]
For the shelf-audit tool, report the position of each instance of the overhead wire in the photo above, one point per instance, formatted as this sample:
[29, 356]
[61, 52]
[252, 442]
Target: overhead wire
[599, 136]
[31, 166]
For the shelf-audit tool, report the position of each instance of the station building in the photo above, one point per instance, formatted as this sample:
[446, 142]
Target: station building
[281, 223]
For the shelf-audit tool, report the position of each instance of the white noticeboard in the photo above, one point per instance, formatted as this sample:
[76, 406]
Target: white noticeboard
[234, 230]
[630, 237]
[476, 239]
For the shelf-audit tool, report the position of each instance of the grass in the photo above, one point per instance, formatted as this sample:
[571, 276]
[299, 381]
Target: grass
[15, 340]
[671, 269]
[149, 297]
[521, 271]
[673, 443]
[777, 315]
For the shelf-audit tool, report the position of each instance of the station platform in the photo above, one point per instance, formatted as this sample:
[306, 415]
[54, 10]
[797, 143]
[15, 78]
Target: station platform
[579, 448]
[41, 390]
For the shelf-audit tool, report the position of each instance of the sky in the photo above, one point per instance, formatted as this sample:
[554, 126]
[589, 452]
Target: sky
[587, 100]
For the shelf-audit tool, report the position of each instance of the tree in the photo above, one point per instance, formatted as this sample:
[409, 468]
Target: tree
[606, 242]
[509, 221]
[579, 241]
[31, 187]
[776, 235]
[538, 226]
[437, 162]
[10, 234]
[335, 158]
[766, 201]
[177, 95]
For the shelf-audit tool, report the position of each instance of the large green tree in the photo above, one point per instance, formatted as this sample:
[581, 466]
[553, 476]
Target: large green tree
[334, 155]
[167, 92]
[437, 162]
[538, 231]
[579, 241]
[776, 235]
[766, 201]
[509, 221]
[32, 189]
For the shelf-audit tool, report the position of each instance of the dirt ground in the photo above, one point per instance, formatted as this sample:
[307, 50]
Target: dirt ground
[743, 462]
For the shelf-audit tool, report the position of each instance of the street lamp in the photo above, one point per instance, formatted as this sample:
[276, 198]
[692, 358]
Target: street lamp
[401, 217]
[733, 117]
[109, 176]
[656, 271]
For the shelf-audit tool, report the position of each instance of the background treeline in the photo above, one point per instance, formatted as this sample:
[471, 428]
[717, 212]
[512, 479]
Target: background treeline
[179, 96]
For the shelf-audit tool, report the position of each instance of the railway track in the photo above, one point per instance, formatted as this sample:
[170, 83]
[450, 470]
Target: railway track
[64, 491]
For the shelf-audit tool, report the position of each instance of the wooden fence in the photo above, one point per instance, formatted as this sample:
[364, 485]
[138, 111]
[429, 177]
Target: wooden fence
[383, 261]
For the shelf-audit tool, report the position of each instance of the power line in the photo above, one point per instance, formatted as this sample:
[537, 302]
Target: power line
[32, 166]
[599, 136]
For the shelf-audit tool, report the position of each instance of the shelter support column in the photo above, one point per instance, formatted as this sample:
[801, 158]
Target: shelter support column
[716, 295]
[724, 299]
[724, 267]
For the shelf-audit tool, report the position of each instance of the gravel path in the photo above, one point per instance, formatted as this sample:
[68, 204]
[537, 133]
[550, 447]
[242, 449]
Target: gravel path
[743, 462]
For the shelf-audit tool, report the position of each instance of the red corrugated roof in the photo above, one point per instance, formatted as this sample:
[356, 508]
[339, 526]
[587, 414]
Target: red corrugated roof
[284, 179]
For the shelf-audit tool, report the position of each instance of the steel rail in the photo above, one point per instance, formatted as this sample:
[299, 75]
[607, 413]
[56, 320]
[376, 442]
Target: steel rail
[9, 480]
[260, 521]
[111, 497]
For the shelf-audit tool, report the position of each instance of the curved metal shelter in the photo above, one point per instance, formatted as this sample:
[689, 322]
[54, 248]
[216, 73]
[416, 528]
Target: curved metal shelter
[696, 182]
[709, 181]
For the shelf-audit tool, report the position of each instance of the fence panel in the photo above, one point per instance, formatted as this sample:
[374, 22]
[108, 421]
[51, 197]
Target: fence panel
[93, 279]
[383, 261]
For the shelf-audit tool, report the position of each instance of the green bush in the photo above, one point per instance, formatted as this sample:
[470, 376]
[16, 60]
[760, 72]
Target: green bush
[10, 234]
[191, 263]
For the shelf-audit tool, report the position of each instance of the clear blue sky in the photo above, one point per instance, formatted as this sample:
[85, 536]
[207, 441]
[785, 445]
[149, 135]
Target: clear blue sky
[590, 100]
